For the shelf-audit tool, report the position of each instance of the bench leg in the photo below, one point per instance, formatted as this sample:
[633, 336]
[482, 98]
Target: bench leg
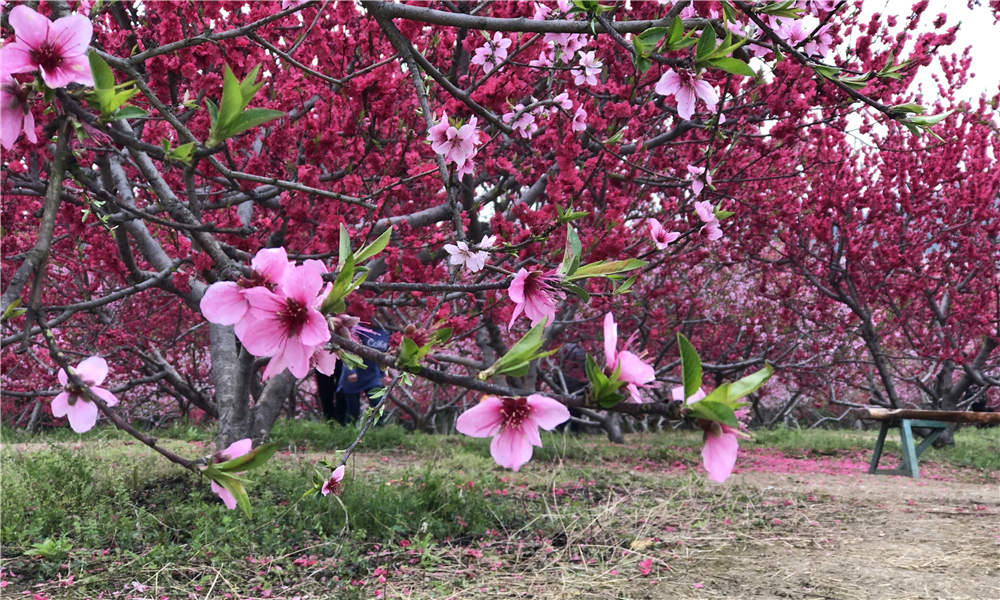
[878, 447]
[928, 441]
[909, 466]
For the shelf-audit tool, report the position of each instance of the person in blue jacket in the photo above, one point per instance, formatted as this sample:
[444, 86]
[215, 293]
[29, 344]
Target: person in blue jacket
[355, 382]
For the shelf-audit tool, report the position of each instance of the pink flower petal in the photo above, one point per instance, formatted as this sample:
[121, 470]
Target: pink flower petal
[105, 395]
[92, 370]
[685, 102]
[668, 83]
[511, 448]
[17, 58]
[71, 35]
[60, 404]
[29, 26]
[610, 341]
[315, 331]
[634, 369]
[264, 336]
[270, 263]
[296, 357]
[546, 412]
[63, 378]
[82, 415]
[236, 449]
[227, 498]
[223, 303]
[483, 419]
[719, 454]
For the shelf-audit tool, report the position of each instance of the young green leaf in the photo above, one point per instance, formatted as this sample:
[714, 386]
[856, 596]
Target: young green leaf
[712, 410]
[374, 248]
[732, 65]
[706, 43]
[604, 268]
[744, 386]
[251, 460]
[690, 366]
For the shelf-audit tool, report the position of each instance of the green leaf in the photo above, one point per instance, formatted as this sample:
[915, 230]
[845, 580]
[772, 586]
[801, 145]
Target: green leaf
[706, 43]
[133, 112]
[927, 120]
[344, 251]
[625, 286]
[732, 65]
[909, 107]
[577, 291]
[250, 118]
[182, 153]
[571, 252]
[251, 460]
[605, 267]
[520, 354]
[690, 366]
[374, 248]
[825, 71]
[213, 113]
[232, 101]
[104, 77]
[249, 85]
[744, 386]
[13, 311]
[713, 410]
[652, 36]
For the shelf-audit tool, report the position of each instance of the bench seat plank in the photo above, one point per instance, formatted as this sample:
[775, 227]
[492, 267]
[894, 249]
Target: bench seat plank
[950, 416]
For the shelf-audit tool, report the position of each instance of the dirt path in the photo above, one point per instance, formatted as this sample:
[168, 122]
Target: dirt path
[817, 536]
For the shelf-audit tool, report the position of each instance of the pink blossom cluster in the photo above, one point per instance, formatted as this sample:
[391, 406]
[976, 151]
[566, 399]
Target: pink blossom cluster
[491, 55]
[706, 213]
[460, 254]
[455, 144]
[275, 312]
[58, 50]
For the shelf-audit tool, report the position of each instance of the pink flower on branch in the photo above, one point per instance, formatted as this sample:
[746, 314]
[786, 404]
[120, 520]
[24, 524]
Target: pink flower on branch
[15, 115]
[224, 302]
[720, 441]
[661, 237]
[513, 424]
[234, 450]
[461, 254]
[706, 213]
[332, 485]
[697, 181]
[579, 120]
[491, 54]
[685, 87]
[588, 70]
[534, 295]
[287, 325]
[634, 371]
[58, 49]
[72, 402]
[455, 144]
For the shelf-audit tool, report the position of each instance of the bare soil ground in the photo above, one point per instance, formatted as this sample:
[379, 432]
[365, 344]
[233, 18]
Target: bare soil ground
[818, 536]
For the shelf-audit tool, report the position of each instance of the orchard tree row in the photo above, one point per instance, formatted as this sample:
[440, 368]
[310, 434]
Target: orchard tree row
[642, 210]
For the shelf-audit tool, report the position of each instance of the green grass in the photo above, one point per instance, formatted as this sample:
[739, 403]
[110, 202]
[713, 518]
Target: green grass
[112, 506]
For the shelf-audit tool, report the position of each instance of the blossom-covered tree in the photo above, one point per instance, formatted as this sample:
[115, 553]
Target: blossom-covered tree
[649, 163]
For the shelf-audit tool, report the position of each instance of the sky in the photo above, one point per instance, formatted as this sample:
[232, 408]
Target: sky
[977, 30]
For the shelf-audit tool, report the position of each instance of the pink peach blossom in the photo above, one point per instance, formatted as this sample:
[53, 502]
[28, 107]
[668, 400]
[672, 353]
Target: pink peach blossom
[234, 450]
[72, 403]
[534, 295]
[15, 114]
[286, 325]
[58, 49]
[513, 424]
[699, 177]
[634, 371]
[491, 54]
[661, 237]
[579, 120]
[225, 303]
[685, 88]
[332, 485]
[461, 254]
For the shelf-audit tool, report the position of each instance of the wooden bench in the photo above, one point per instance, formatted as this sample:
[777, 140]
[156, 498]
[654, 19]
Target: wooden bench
[906, 420]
